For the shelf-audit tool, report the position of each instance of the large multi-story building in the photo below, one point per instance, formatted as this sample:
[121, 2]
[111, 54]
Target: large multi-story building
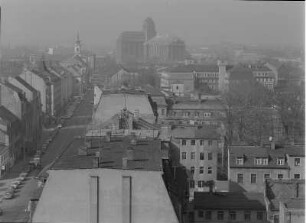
[130, 47]
[118, 178]
[201, 153]
[134, 47]
[250, 166]
[164, 50]
[197, 112]
[184, 79]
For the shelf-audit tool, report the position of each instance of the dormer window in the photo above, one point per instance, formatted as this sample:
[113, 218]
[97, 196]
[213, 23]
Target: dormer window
[280, 161]
[265, 161]
[239, 160]
[258, 161]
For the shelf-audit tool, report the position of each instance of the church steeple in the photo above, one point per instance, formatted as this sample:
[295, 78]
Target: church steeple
[77, 46]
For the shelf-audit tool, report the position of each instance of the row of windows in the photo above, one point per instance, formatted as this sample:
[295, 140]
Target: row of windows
[208, 75]
[201, 170]
[240, 178]
[232, 215]
[208, 81]
[195, 114]
[264, 161]
[192, 156]
[200, 183]
[193, 142]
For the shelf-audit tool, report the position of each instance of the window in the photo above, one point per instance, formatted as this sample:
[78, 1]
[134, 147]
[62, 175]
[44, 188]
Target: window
[191, 184]
[232, 215]
[240, 178]
[258, 161]
[201, 170]
[200, 214]
[297, 161]
[209, 142]
[163, 111]
[266, 176]
[247, 215]
[280, 161]
[297, 176]
[202, 156]
[184, 142]
[192, 155]
[196, 114]
[265, 161]
[200, 183]
[239, 161]
[208, 215]
[260, 215]
[209, 170]
[201, 142]
[192, 170]
[280, 176]
[220, 215]
[253, 178]
[183, 155]
[192, 142]
[209, 156]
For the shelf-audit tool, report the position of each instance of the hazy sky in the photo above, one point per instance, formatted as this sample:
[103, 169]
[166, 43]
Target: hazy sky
[51, 22]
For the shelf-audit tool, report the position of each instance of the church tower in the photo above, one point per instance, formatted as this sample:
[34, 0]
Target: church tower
[149, 29]
[77, 46]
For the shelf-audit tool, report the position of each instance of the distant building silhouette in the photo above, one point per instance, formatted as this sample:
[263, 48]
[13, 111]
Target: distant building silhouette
[149, 29]
[77, 46]
[146, 46]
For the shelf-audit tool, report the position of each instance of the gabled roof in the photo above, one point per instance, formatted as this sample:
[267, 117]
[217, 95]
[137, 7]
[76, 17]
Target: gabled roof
[229, 201]
[28, 86]
[7, 115]
[198, 105]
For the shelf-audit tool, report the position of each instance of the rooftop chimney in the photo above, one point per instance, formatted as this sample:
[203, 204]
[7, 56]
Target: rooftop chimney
[136, 114]
[96, 160]
[94, 199]
[126, 199]
[272, 143]
[129, 153]
[124, 163]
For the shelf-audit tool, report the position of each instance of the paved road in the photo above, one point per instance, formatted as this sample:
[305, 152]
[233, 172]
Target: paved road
[13, 210]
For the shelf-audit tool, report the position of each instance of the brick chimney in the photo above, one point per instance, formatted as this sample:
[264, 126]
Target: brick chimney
[96, 160]
[130, 153]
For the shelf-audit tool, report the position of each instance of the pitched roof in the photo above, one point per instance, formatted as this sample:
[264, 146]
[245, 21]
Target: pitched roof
[195, 133]
[28, 86]
[229, 201]
[7, 115]
[194, 68]
[249, 153]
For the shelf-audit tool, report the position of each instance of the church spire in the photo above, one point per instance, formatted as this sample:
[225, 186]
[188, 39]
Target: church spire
[77, 46]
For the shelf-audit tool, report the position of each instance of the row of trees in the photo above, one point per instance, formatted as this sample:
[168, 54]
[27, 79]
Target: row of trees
[255, 113]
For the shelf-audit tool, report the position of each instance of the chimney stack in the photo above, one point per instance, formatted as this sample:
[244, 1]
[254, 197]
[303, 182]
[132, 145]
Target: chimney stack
[272, 143]
[129, 153]
[108, 136]
[96, 160]
[124, 163]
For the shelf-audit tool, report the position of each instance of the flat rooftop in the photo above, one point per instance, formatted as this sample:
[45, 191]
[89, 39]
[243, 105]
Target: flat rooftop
[144, 155]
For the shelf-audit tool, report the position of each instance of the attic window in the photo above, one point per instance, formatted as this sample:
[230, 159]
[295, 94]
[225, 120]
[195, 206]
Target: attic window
[239, 160]
[280, 161]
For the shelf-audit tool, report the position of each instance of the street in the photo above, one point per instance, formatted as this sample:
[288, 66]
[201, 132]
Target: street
[14, 209]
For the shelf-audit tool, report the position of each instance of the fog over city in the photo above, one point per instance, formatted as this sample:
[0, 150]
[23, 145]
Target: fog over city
[198, 22]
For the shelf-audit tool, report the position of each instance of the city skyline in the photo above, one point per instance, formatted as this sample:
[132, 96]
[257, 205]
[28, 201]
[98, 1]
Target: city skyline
[197, 22]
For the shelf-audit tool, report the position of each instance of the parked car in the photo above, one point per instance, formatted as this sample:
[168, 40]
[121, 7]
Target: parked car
[59, 126]
[9, 195]
[20, 179]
